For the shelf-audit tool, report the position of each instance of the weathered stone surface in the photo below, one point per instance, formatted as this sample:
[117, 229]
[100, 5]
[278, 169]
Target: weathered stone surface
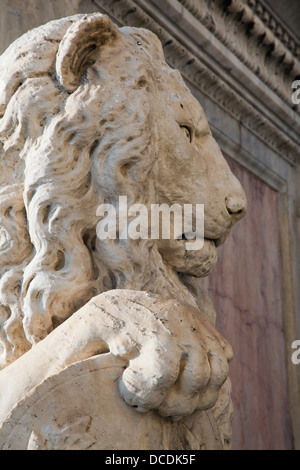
[101, 420]
[91, 112]
[80, 406]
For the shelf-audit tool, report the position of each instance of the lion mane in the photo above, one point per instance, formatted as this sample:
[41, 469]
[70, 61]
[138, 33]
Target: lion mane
[67, 144]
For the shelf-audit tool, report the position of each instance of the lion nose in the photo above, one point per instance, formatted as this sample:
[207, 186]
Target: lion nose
[236, 205]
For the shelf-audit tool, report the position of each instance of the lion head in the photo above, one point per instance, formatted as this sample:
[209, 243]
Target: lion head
[89, 112]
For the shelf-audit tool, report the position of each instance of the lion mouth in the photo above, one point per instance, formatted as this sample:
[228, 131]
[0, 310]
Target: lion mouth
[216, 241]
[198, 263]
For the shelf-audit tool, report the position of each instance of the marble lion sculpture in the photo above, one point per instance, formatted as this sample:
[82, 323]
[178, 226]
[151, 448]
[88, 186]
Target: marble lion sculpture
[106, 344]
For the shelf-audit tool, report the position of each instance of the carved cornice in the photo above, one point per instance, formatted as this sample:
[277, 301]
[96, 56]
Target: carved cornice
[204, 78]
[268, 18]
[255, 37]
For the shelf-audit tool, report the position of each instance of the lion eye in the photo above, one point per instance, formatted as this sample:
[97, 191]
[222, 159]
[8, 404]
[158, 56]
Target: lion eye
[187, 132]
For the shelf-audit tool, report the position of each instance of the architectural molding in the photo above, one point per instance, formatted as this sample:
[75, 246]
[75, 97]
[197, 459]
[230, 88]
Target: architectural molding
[209, 77]
[255, 37]
[249, 161]
[273, 23]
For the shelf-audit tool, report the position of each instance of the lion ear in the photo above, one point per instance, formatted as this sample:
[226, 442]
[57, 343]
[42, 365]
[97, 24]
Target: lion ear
[79, 45]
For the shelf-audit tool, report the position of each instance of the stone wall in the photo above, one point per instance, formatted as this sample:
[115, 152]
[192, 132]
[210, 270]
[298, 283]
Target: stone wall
[17, 17]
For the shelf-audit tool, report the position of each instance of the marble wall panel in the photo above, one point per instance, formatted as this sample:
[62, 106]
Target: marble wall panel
[246, 290]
